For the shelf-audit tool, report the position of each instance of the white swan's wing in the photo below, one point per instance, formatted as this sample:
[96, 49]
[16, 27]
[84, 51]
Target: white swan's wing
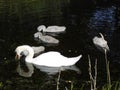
[38, 49]
[48, 59]
[55, 29]
[55, 59]
[49, 39]
[100, 43]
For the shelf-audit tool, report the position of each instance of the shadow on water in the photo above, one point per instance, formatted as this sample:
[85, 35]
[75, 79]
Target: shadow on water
[19, 20]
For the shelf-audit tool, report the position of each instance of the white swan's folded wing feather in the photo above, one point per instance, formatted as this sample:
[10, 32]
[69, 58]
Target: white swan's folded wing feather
[55, 59]
[55, 29]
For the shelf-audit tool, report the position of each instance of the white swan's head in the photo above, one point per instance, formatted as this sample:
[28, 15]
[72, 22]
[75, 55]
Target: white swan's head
[41, 28]
[26, 50]
[101, 43]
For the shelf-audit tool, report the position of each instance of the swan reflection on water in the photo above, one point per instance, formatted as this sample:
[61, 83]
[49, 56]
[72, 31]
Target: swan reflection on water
[28, 69]
[50, 62]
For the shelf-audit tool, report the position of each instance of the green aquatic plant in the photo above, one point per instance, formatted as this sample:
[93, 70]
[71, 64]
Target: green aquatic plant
[58, 80]
[117, 85]
[81, 88]
[1, 85]
[108, 71]
[114, 86]
[93, 79]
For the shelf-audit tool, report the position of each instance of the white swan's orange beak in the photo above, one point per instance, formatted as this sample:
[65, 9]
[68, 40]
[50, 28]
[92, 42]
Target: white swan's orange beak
[17, 57]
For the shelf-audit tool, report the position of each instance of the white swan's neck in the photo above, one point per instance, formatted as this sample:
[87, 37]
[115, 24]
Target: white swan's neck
[29, 59]
[101, 35]
[41, 28]
[29, 56]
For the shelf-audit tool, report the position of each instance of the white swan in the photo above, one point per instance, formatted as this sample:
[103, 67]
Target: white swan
[101, 43]
[51, 29]
[46, 38]
[25, 53]
[26, 69]
[49, 59]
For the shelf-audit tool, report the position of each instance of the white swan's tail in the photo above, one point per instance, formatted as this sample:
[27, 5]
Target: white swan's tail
[74, 60]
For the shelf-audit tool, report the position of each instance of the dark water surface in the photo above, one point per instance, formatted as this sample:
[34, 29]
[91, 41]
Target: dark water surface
[83, 20]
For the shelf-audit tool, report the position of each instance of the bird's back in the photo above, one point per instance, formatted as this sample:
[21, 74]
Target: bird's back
[55, 59]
